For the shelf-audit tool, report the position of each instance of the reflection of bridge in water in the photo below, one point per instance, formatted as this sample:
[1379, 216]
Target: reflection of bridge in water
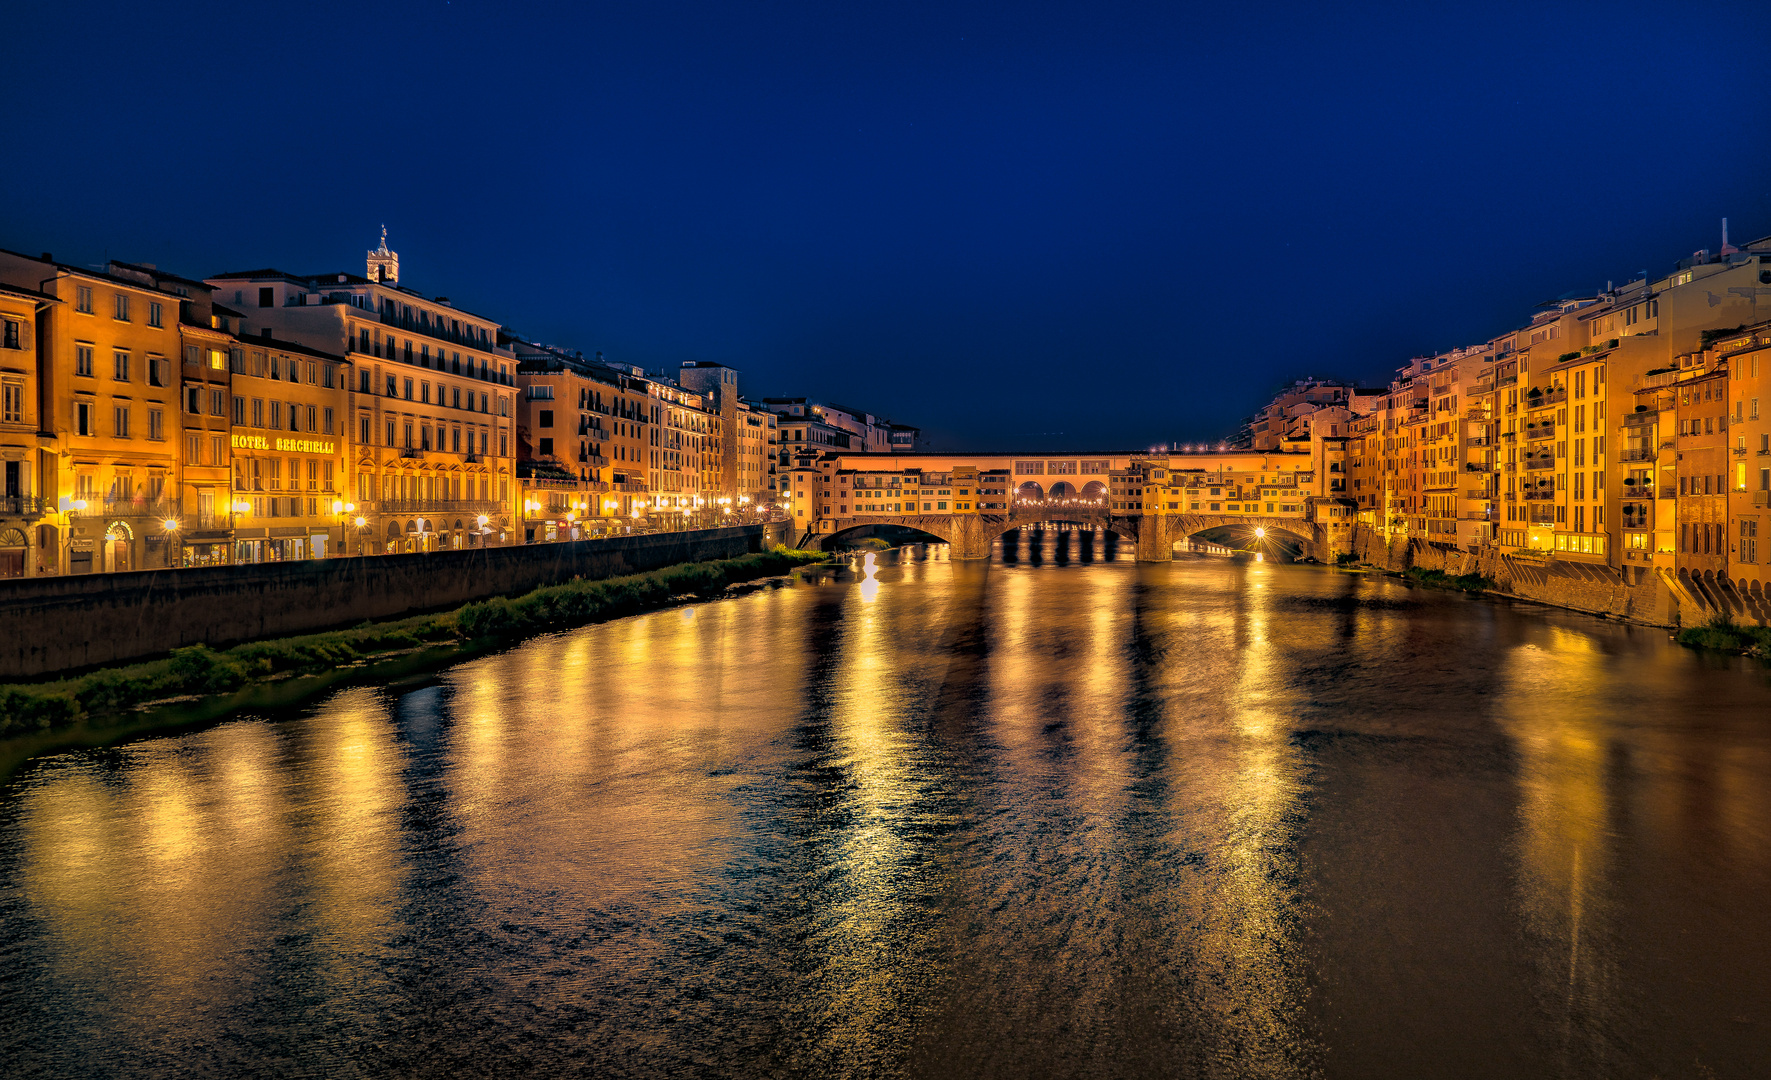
[1237, 499]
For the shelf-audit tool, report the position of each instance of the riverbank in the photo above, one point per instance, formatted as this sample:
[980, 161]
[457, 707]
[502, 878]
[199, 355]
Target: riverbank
[198, 685]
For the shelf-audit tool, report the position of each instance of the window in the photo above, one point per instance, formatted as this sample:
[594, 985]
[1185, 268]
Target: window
[326, 421]
[121, 414]
[83, 424]
[123, 307]
[216, 401]
[408, 389]
[277, 415]
[154, 316]
[267, 296]
[193, 448]
[258, 412]
[12, 401]
[363, 430]
[240, 411]
[393, 386]
[83, 299]
[546, 418]
[218, 449]
[390, 433]
[120, 365]
[157, 371]
[546, 448]
[10, 338]
[156, 425]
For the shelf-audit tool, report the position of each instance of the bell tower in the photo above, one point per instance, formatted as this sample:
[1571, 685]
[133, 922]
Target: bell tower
[384, 265]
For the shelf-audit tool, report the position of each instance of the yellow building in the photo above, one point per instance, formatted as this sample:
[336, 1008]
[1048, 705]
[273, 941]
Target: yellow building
[1749, 511]
[431, 401]
[290, 453]
[22, 464]
[108, 392]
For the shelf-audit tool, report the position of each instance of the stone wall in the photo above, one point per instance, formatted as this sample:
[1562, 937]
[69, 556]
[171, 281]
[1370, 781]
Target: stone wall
[1638, 594]
[56, 623]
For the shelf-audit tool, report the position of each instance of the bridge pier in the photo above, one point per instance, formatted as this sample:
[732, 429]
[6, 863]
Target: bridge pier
[1156, 538]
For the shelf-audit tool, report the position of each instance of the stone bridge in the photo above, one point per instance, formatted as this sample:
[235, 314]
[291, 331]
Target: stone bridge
[972, 535]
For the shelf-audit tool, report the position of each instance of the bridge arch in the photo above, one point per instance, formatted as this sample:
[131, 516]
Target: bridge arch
[1029, 490]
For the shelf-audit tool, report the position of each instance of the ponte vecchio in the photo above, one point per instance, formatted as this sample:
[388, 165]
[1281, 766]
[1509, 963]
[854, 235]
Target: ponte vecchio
[1153, 498]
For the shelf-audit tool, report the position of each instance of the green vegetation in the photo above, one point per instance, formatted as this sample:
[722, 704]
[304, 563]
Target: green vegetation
[1724, 634]
[1346, 558]
[1567, 356]
[38, 709]
[1462, 582]
[1709, 337]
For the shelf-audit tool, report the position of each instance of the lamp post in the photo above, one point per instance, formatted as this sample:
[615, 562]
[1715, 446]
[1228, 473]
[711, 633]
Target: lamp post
[241, 508]
[343, 511]
[170, 526]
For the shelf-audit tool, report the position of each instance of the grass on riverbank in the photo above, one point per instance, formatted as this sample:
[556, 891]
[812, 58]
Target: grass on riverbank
[32, 710]
[1473, 583]
[1725, 635]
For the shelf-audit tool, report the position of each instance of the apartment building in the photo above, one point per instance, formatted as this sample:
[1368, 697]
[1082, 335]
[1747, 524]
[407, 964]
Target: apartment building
[431, 400]
[291, 455]
[22, 464]
[1748, 357]
[107, 405]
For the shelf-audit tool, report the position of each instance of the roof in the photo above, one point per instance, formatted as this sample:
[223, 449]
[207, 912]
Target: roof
[28, 294]
[268, 272]
[282, 345]
[82, 271]
[223, 309]
[162, 275]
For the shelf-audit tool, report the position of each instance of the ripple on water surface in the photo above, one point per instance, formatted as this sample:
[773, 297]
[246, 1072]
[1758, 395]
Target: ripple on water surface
[1061, 816]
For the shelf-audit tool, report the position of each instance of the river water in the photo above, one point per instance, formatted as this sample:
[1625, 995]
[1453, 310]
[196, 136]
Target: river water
[1054, 817]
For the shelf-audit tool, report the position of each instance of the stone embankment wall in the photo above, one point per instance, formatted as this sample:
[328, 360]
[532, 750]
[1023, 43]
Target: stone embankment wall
[56, 623]
[1638, 594]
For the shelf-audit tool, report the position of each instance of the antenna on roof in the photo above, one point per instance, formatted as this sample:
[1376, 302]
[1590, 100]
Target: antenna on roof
[1727, 248]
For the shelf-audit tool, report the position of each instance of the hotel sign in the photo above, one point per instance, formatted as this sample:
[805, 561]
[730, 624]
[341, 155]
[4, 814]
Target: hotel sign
[299, 446]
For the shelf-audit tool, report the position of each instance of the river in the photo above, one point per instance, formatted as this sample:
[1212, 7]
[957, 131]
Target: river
[1051, 817]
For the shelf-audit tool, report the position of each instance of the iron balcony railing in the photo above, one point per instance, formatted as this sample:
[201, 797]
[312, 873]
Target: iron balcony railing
[125, 506]
[22, 506]
[1539, 496]
[1538, 466]
[1640, 419]
[1554, 397]
[440, 506]
[1639, 454]
[1547, 431]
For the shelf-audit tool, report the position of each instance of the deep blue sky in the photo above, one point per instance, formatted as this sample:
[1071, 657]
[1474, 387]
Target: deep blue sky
[1051, 226]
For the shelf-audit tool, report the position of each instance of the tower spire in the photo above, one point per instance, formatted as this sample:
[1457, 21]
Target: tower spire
[384, 265]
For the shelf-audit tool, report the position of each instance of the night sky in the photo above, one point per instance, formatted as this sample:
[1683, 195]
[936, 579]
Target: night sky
[1017, 226]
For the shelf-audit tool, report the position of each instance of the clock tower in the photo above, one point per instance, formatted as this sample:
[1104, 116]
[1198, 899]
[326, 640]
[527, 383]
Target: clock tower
[384, 265]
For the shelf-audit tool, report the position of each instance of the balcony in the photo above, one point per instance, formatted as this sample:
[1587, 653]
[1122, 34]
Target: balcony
[22, 506]
[635, 486]
[1478, 493]
[123, 506]
[1739, 451]
[412, 452]
[442, 333]
[1539, 466]
[1554, 397]
[1539, 496]
[1667, 493]
[1478, 440]
[1640, 419]
[436, 506]
[1639, 454]
[1545, 431]
[1481, 515]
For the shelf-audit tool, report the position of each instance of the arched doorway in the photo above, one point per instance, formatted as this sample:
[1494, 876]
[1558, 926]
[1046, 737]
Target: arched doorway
[13, 552]
[119, 548]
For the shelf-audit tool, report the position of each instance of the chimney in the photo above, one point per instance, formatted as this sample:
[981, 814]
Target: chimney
[1727, 248]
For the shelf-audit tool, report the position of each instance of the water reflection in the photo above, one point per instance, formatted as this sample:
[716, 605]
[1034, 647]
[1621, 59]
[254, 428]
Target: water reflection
[1045, 817]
